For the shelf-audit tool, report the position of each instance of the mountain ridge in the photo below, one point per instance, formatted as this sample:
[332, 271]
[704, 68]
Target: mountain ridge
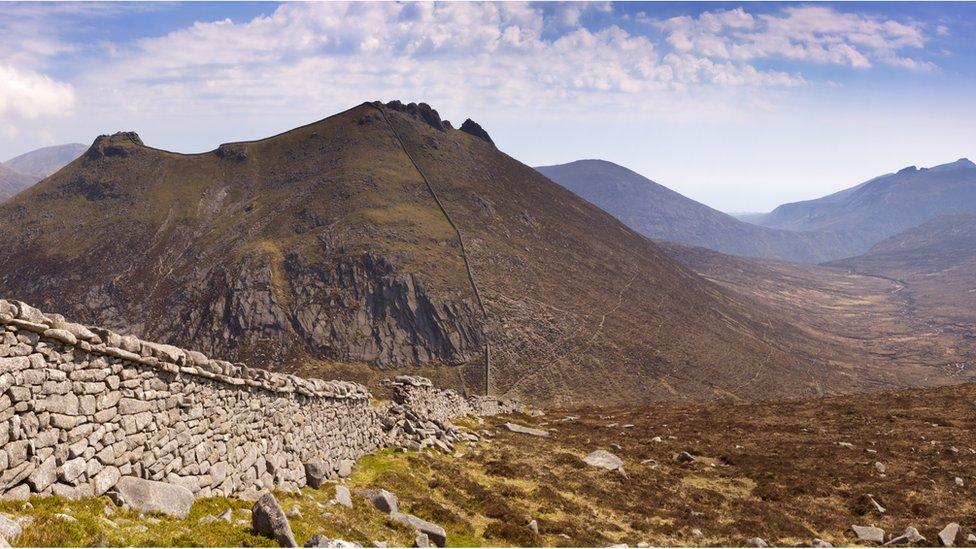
[884, 205]
[24, 170]
[12, 182]
[662, 213]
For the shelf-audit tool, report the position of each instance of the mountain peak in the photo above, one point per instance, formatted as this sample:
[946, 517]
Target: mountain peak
[430, 116]
[961, 164]
[117, 144]
[475, 129]
[419, 110]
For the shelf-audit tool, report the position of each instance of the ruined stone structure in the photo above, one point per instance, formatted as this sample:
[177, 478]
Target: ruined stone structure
[82, 407]
[426, 401]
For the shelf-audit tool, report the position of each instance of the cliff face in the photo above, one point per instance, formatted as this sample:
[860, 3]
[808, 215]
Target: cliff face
[360, 308]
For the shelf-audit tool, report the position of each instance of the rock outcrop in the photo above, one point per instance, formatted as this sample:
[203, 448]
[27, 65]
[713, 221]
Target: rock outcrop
[475, 129]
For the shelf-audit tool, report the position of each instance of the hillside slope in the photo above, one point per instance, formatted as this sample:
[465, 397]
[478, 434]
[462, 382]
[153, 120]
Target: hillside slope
[658, 212]
[45, 161]
[324, 246]
[885, 205]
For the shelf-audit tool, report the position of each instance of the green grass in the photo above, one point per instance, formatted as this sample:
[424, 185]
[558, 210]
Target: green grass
[410, 475]
[477, 500]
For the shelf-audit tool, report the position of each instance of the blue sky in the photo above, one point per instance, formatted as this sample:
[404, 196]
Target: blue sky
[742, 106]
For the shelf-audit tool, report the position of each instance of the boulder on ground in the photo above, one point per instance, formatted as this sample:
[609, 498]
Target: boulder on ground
[382, 500]
[869, 533]
[150, 496]
[9, 528]
[910, 535]
[342, 496]
[684, 457]
[605, 460]
[948, 534]
[522, 429]
[436, 534]
[756, 542]
[817, 542]
[268, 519]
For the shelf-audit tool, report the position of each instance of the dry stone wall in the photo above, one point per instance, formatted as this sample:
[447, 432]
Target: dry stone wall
[83, 407]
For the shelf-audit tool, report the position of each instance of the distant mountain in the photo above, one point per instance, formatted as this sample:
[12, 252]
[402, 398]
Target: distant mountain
[658, 212]
[383, 236]
[885, 205]
[12, 182]
[47, 160]
[936, 245]
[22, 171]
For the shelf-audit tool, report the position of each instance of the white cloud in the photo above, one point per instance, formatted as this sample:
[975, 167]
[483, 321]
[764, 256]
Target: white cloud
[480, 55]
[804, 33]
[26, 95]
[494, 59]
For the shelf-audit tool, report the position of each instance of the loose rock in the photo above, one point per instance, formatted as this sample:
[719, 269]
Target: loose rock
[605, 460]
[756, 542]
[9, 528]
[149, 496]
[342, 496]
[436, 534]
[516, 428]
[911, 535]
[345, 467]
[948, 534]
[268, 519]
[385, 501]
[869, 533]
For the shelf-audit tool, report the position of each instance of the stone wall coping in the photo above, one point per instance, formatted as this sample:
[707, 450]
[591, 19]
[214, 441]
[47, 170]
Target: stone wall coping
[169, 358]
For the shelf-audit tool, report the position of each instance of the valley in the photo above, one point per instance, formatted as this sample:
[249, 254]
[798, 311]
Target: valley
[902, 325]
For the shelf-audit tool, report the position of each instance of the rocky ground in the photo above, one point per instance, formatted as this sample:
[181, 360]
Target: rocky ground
[785, 472]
